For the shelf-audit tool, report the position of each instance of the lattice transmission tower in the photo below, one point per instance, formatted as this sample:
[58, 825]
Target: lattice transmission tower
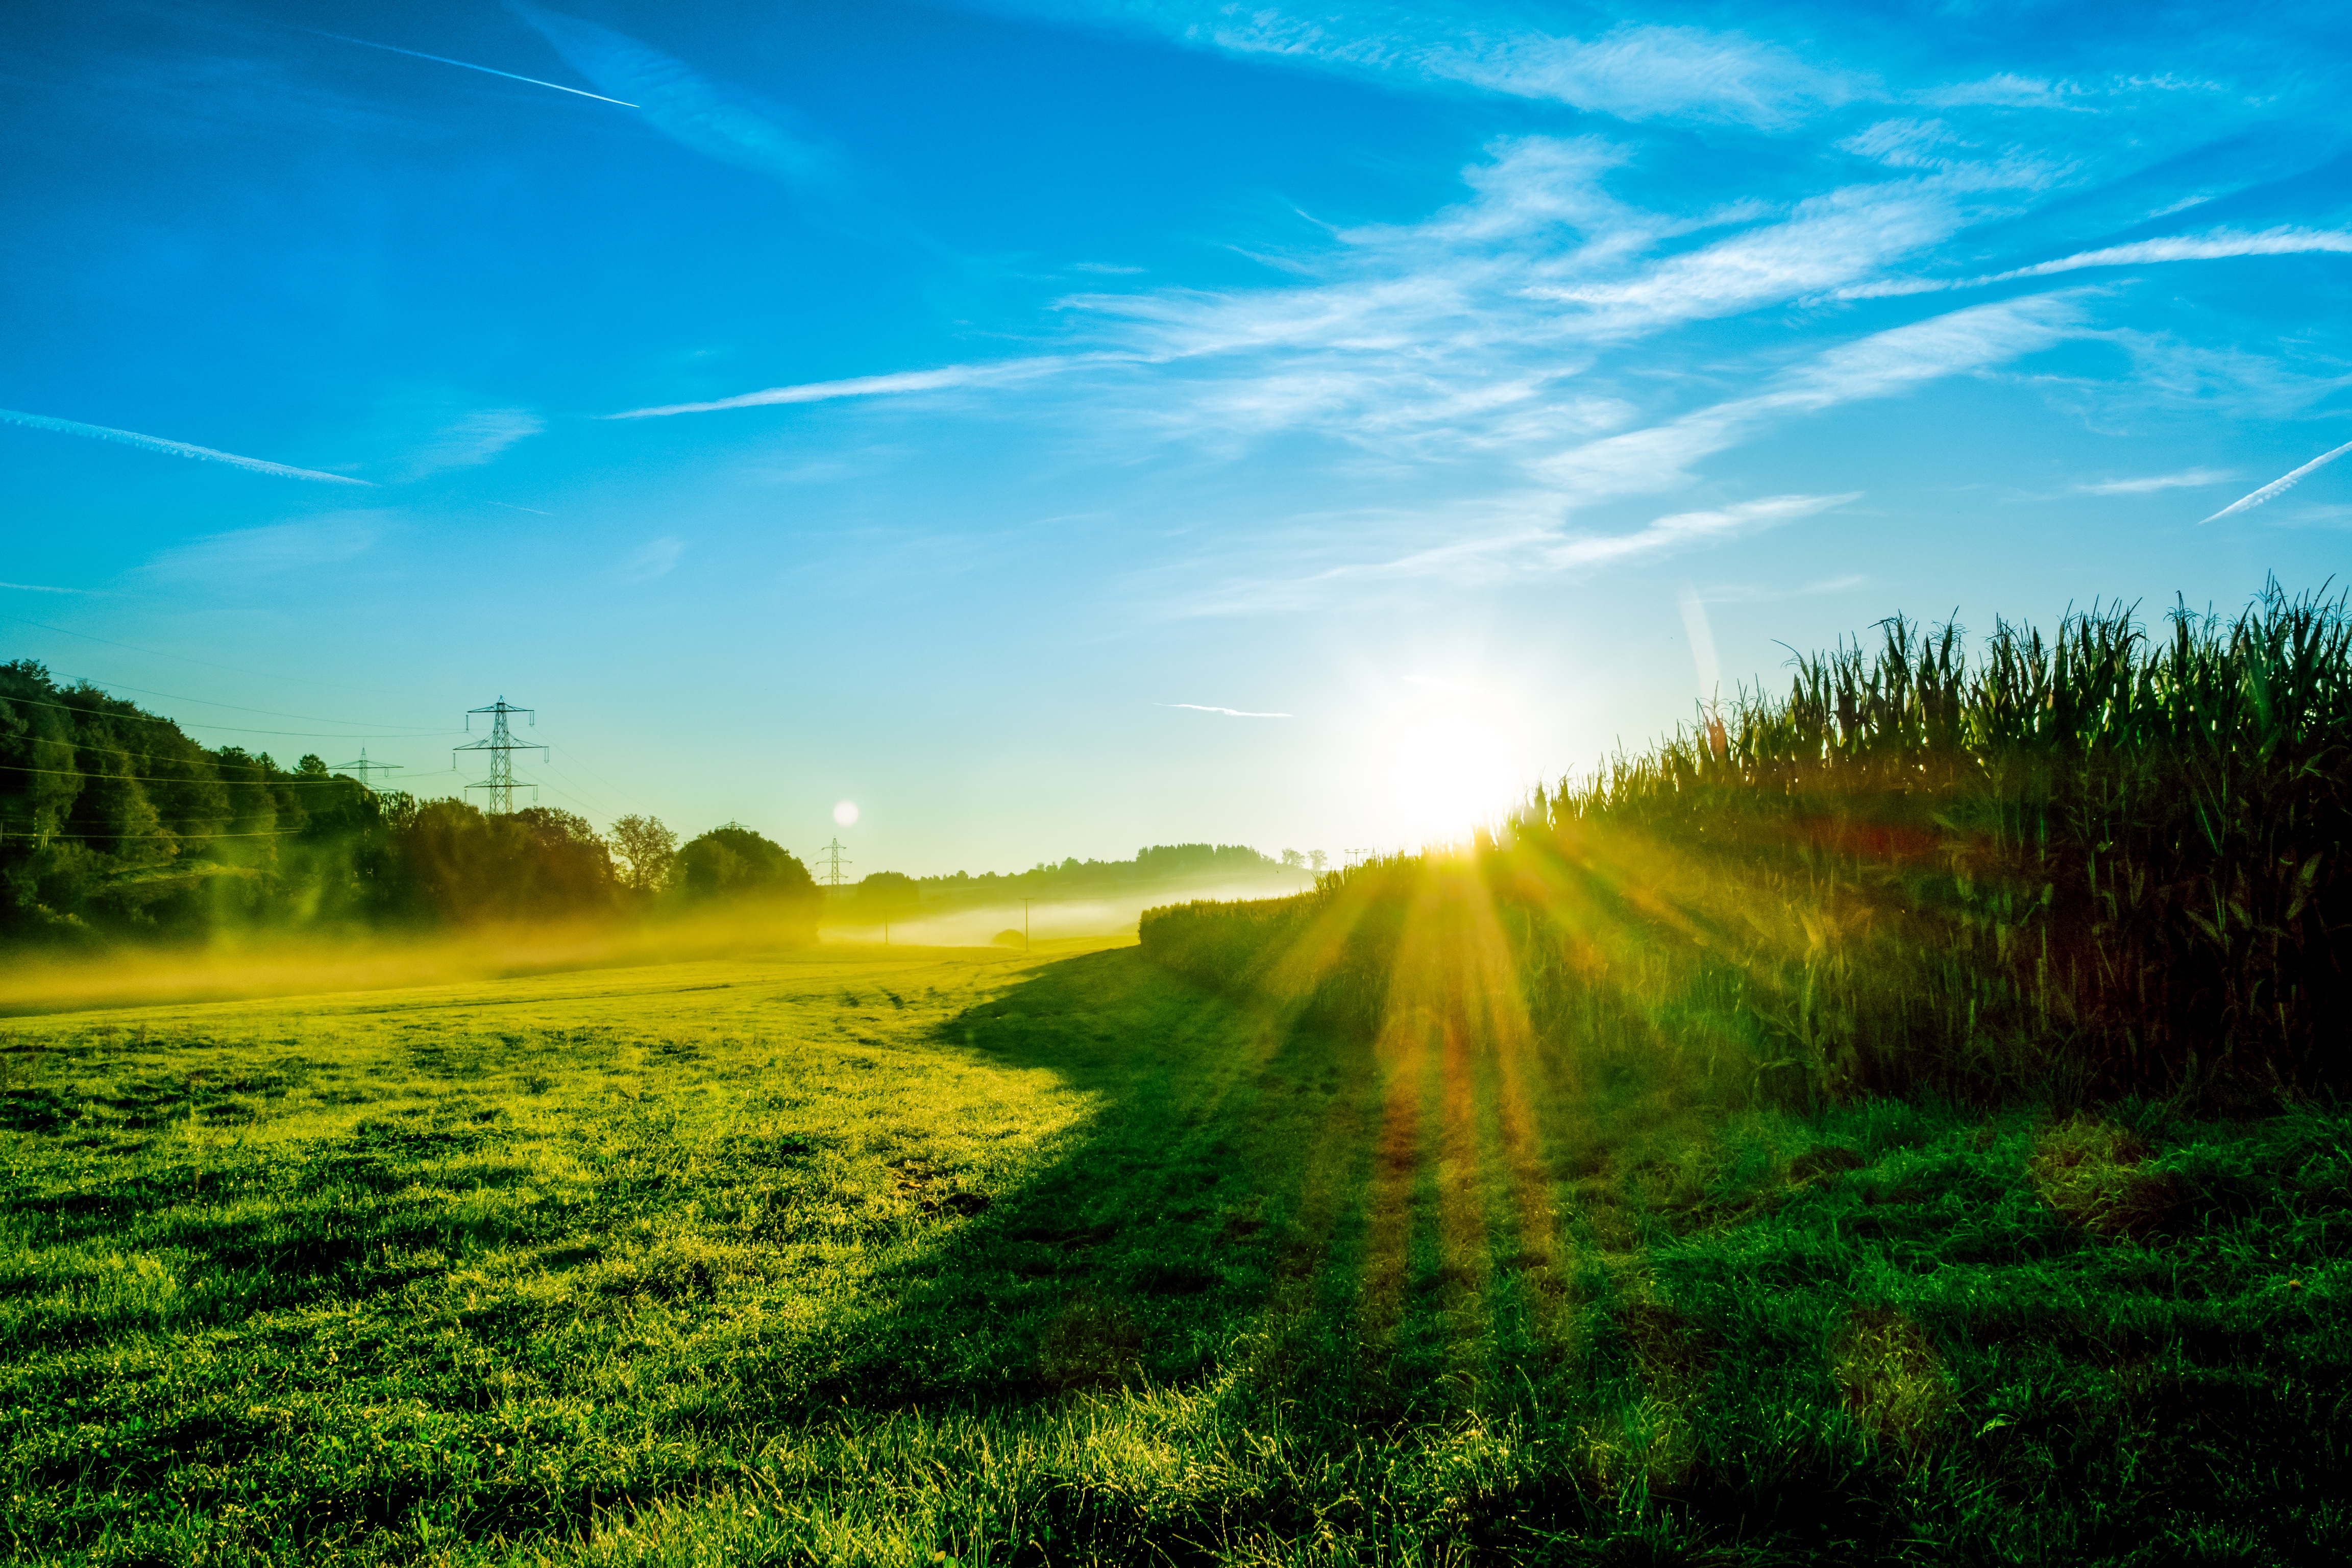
[365, 771]
[502, 745]
[830, 858]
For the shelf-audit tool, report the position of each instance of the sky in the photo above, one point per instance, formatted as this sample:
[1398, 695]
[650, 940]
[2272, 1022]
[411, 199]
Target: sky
[1055, 427]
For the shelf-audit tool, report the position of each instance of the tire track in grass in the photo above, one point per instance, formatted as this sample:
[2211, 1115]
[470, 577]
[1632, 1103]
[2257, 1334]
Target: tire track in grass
[1463, 1298]
[1388, 1228]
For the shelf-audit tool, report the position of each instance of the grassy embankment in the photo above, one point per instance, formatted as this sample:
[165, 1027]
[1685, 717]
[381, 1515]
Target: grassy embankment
[945, 1256]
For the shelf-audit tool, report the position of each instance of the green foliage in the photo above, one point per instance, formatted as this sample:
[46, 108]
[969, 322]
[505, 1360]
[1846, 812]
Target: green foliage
[465, 866]
[733, 862]
[886, 896]
[648, 851]
[953, 1259]
[114, 824]
[1156, 866]
[2128, 853]
[111, 820]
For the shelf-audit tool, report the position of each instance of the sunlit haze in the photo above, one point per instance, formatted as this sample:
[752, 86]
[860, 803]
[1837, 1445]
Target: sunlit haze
[1022, 429]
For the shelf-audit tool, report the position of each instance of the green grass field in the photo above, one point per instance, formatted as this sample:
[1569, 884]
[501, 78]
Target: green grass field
[923, 1256]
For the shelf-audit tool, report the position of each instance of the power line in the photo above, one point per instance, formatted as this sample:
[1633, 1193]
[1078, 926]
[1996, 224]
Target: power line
[501, 746]
[272, 713]
[138, 715]
[363, 768]
[830, 855]
[273, 833]
[295, 783]
[627, 797]
[159, 653]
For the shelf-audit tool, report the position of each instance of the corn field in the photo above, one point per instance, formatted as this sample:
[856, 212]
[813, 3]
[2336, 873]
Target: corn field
[2110, 860]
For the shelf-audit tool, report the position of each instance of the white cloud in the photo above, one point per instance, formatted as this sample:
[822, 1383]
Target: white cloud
[1884, 365]
[1752, 594]
[269, 551]
[1228, 712]
[1513, 547]
[897, 384]
[1682, 530]
[728, 127]
[655, 558]
[474, 439]
[2186, 479]
[1634, 72]
[2220, 245]
[2006, 90]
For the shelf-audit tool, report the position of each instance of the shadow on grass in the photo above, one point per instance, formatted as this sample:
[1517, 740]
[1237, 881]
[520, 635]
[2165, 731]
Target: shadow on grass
[1154, 1233]
[1886, 1347]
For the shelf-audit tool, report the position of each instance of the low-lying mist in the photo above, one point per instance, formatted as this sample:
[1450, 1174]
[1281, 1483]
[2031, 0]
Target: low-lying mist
[231, 967]
[1048, 919]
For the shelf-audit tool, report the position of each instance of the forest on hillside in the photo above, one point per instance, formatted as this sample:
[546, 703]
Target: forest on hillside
[114, 824]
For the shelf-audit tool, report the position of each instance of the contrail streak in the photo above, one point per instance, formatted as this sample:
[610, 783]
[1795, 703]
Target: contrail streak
[997, 373]
[468, 65]
[2278, 486]
[175, 448]
[1229, 712]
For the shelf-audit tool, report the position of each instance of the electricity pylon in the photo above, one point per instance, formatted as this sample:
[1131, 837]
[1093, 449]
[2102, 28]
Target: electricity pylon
[364, 770]
[501, 746]
[830, 858]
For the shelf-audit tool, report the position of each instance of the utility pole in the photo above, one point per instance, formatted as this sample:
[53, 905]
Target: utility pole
[830, 858]
[501, 745]
[364, 770]
[1025, 923]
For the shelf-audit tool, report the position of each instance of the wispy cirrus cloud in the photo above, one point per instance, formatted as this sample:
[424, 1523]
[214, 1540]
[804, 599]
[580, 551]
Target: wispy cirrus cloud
[1884, 365]
[1478, 329]
[2148, 484]
[2217, 245]
[1682, 530]
[729, 126]
[998, 372]
[248, 552]
[475, 438]
[655, 558]
[1471, 332]
[1227, 712]
[170, 449]
[1633, 71]
[1517, 540]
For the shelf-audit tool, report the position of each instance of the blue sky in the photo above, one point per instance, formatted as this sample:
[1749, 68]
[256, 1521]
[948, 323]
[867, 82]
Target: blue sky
[1059, 427]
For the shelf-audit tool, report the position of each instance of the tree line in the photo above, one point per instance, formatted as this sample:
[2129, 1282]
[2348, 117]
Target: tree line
[114, 823]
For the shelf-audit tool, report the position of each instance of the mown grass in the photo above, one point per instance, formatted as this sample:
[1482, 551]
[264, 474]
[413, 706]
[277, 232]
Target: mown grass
[945, 1256]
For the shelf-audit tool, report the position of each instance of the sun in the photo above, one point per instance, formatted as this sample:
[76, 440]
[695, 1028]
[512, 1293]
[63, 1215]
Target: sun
[1449, 772]
[845, 813]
